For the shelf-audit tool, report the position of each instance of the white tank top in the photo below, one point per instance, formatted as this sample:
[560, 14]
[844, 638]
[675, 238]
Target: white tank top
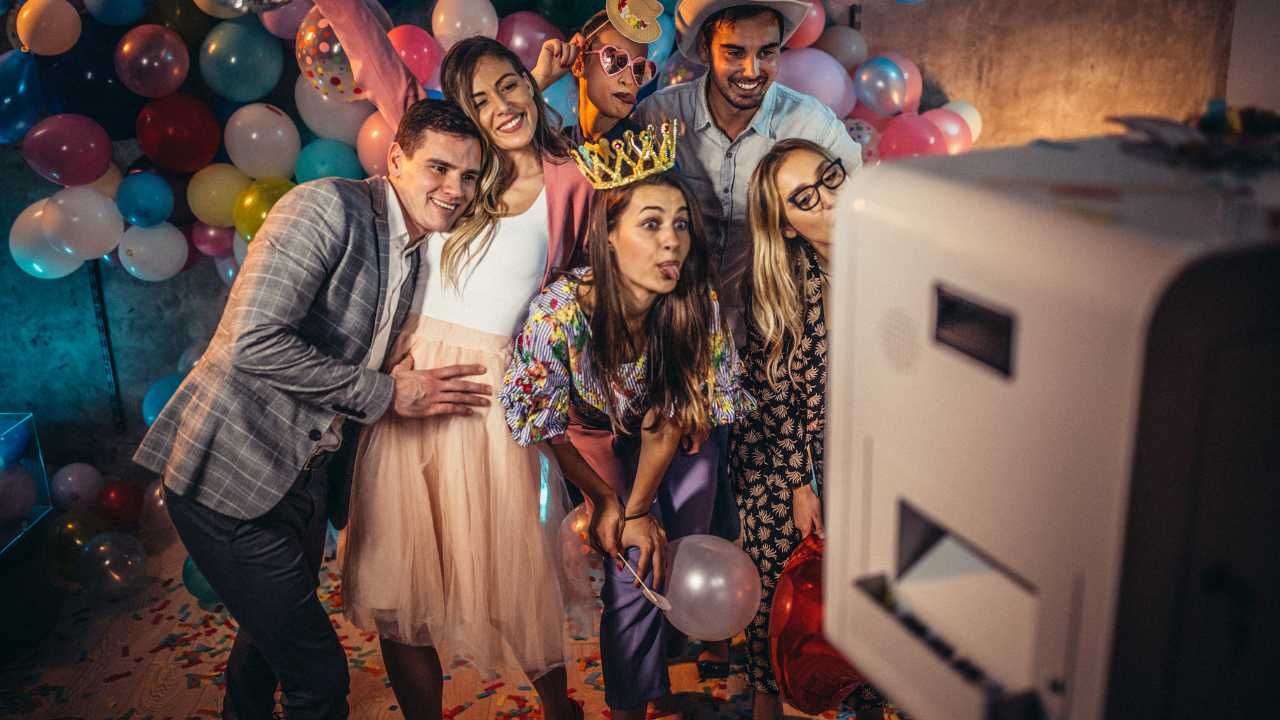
[494, 290]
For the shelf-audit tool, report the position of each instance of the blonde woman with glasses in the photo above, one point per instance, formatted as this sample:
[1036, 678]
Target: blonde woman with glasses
[776, 452]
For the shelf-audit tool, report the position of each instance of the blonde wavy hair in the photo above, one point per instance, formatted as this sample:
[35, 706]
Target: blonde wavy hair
[475, 229]
[777, 267]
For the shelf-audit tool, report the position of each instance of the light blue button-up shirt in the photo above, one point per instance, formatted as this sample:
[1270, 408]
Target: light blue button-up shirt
[718, 169]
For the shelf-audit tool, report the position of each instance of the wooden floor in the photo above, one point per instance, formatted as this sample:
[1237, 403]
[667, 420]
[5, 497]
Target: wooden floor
[158, 654]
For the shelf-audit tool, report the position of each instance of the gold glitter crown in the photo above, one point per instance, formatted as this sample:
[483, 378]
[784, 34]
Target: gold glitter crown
[634, 157]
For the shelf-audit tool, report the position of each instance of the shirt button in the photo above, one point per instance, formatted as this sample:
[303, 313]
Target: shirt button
[315, 434]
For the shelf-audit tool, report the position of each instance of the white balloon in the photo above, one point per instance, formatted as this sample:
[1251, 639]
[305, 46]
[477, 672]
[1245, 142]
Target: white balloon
[454, 20]
[153, 253]
[227, 269]
[329, 117]
[239, 248]
[970, 114]
[32, 252]
[262, 141]
[843, 43]
[713, 587]
[82, 222]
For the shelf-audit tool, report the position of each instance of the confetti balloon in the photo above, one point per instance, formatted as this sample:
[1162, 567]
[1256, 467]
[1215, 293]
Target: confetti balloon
[322, 59]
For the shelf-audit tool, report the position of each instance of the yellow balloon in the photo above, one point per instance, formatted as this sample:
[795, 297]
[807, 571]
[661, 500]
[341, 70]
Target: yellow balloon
[222, 12]
[255, 202]
[212, 193]
[48, 27]
[109, 183]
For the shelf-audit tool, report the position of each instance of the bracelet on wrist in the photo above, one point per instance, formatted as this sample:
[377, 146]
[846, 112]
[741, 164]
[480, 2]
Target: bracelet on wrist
[636, 516]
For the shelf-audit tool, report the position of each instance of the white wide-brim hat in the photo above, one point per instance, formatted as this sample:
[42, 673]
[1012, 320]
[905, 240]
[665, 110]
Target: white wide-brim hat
[691, 14]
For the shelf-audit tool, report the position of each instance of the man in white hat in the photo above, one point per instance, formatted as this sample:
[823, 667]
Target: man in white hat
[734, 114]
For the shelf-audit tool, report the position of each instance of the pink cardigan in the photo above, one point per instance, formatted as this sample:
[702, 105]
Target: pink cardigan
[392, 88]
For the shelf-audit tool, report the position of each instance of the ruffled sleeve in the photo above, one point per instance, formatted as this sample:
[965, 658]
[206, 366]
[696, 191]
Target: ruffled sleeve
[535, 388]
[729, 399]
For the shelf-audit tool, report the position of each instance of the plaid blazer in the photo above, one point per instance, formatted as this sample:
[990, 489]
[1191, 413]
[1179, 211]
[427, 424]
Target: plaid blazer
[288, 357]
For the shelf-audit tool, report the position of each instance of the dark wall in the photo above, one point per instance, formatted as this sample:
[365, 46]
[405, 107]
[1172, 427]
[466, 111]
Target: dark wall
[1057, 68]
[51, 361]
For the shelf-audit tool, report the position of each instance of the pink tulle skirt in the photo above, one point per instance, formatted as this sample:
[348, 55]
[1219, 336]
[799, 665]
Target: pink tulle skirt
[446, 545]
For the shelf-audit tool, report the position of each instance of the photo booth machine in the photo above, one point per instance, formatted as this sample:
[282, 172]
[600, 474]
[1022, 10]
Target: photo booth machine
[1054, 436]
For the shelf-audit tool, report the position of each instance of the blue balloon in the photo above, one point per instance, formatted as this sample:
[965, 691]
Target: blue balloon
[158, 396]
[14, 438]
[116, 12]
[661, 49]
[434, 94]
[83, 80]
[562, 97]
[20, 96]
[240, 60]
[328, 158]
[144, 199]
[880, 85]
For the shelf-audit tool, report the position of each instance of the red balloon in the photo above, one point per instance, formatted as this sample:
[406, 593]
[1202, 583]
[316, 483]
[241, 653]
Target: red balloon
[178, 133]
[811, 27]
[213, 241]
[909, 135]
[954, 128]
[812, 675]
[524, 32]
[68, 149]
[877, 121]
[420, 52]
[120, 503]
[152, 60]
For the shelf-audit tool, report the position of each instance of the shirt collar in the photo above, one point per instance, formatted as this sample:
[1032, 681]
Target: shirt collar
[760, 122]
[397, 229]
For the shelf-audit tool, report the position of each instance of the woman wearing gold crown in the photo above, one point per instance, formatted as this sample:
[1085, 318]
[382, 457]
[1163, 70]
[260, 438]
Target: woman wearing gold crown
[619, 365]
[445, 547]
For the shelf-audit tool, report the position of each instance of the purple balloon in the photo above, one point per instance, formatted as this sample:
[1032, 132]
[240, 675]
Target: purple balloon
[284, 21]
[76, 486]
[814, 72]
[524, 32]
[880, 85]
[152, 60]
[17, 493]
[68, 149]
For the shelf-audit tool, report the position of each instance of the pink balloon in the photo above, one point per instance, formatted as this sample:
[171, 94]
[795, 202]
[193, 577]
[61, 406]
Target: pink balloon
[877, 121]
[524, 32]
[420, 52]
[372, 144]
[909, 135]
[816, 73]
[212, 241]
[811, 28]
[284, 21]
[915, 83]
[152, 60]
[68, 149]
[954, 128]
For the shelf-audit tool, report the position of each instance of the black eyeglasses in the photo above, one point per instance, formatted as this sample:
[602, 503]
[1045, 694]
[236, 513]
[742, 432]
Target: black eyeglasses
[830, 176]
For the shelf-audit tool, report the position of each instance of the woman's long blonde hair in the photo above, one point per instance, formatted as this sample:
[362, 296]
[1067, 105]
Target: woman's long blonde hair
[475, 229]
[777, 267]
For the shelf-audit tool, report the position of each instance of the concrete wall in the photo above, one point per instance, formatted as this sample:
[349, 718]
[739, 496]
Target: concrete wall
[1057, 68]
[1255, 55]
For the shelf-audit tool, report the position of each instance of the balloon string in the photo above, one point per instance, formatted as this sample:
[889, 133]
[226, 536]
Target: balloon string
[104, 340]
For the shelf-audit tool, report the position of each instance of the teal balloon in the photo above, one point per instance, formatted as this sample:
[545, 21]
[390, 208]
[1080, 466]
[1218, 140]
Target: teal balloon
[20, 98]
[158, 396]
[661, 49]
[144, 199]
[198, 585]
[116, 12]
[562, 97]
[240, 60]
[328, 158]
[14, 438]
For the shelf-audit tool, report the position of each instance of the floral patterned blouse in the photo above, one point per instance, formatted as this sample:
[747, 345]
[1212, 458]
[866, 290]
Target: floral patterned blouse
[551, 368]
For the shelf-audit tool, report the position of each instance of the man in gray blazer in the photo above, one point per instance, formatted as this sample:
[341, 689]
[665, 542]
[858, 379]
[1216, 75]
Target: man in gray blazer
[255, 446]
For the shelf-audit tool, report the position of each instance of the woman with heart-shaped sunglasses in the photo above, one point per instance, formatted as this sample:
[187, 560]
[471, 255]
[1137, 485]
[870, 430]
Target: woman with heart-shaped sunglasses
[610, 68]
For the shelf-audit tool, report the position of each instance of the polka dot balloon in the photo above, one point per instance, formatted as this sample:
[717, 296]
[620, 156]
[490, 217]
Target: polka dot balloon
[323, 61]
